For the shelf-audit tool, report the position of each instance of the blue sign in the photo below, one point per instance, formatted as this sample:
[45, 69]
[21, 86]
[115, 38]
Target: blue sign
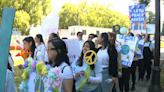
[137, 16]
[8, 15]
[126, 37]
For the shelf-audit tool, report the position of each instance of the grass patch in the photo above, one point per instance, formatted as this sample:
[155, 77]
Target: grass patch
[162, 78]
[17, 76]
[17, 62]
[14, 51]
[162, 44]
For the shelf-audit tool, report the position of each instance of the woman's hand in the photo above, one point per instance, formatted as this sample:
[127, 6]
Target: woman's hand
[82, 73]
[113, 79]
[119, 74]
[77, 74]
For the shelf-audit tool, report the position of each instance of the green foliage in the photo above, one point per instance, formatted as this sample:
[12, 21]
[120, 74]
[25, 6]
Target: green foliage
[163, 29]
[146, 2]
[151, 19]
[91, 15]
[28, 12]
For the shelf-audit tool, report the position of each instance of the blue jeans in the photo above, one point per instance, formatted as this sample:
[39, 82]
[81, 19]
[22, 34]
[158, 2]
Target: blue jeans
[104, 86]
[95, 90]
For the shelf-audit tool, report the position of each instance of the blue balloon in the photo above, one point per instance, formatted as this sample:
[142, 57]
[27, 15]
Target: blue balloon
[123, 30]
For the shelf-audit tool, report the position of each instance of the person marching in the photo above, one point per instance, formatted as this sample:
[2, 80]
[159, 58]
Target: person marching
[148, 53]
[9, 81]
[107, 55]
[79, 70]
[40, 44]
[29, 46]
[51, 36]
[112, 39]
[57, 54]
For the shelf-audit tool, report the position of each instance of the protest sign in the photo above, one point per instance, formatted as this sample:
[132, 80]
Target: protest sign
[7, 20]
[137, 17]
[49, 26]
[150, 29]
[128, 46]
[73, 49]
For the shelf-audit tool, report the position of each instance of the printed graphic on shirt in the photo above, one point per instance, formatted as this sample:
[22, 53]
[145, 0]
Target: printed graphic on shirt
[139, 47]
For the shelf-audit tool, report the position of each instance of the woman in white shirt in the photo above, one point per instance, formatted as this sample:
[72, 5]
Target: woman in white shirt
[10, 82]
[52, 35]
[79, 68]
[148, 53]
[107, 55]
[29, 46]
[40, 44]
[57, 54]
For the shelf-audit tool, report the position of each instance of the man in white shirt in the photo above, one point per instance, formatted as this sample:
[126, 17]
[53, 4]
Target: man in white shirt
[81, 41]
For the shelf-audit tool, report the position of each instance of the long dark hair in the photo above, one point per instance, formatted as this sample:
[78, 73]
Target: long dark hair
[54, 35]
[39, 36]
[62, 56]
[30, 39]
[106, 41]
[80, 60]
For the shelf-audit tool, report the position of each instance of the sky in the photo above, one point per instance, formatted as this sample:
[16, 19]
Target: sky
[119, 5]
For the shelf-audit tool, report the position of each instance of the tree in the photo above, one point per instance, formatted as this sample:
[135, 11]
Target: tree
[146, 2]
[28, 12]
[91, 15]
[151, 19]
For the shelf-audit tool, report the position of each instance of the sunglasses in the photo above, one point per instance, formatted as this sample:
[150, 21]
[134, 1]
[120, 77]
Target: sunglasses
[80, 35]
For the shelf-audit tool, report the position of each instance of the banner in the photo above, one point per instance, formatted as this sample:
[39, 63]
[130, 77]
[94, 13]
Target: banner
[73, 49]
[139, 47]
[150, 29]
[49, 26]
[137, 17]
[128, 46]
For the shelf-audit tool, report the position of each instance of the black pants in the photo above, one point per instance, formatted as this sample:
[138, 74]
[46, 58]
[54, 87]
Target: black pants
[147, 67]
[133, 71]
[114, 88]
[124, 80]
[140, 69]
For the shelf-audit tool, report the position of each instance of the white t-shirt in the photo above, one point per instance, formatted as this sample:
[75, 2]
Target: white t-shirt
[38, 56]
[67, 72]
[42, 49]
[152, 46]
[103, 57]
[81, 43]
[10, 82]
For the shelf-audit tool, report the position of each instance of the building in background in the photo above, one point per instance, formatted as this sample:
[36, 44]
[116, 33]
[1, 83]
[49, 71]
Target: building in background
[86, 31]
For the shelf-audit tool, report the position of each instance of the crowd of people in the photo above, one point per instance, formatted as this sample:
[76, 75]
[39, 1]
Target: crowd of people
[103, 74]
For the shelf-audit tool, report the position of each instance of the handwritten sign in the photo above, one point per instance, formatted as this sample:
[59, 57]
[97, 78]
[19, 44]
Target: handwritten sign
[150, 29]
[128, 46]
[139, 47]
[73, 49]
[49, 26]
[137, 17]
[5, 34]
